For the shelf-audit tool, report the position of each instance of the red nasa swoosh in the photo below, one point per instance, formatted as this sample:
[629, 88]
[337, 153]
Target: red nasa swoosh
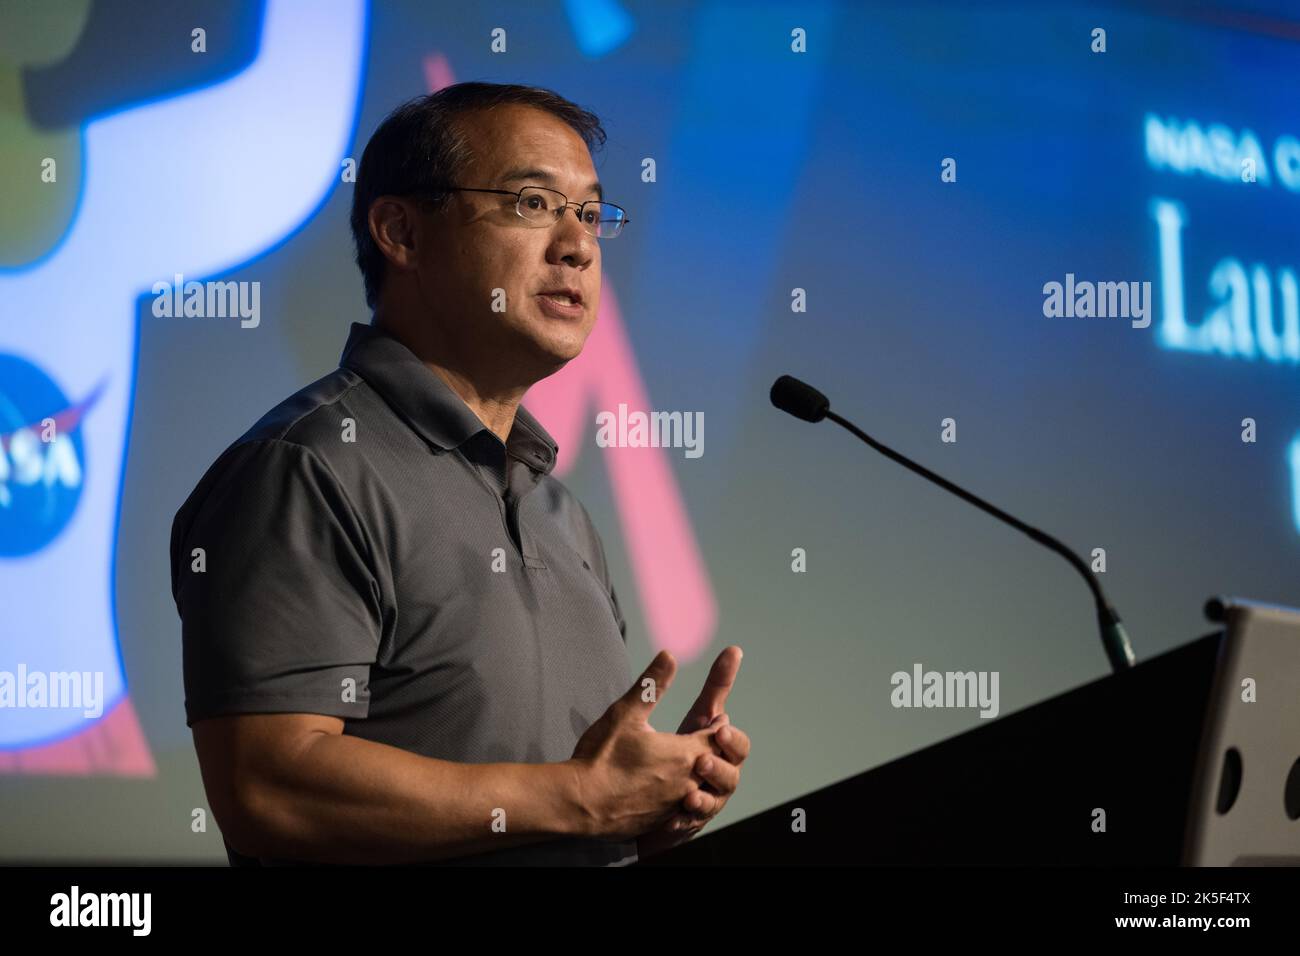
[64, 421]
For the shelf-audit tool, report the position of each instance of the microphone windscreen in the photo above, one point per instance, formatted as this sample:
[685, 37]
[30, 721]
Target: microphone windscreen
[799, 399]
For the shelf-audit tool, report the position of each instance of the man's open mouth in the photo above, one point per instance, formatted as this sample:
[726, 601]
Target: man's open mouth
[563, 296]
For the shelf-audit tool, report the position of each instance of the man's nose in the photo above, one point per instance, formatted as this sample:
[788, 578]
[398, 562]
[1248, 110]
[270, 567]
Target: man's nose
[570, 241]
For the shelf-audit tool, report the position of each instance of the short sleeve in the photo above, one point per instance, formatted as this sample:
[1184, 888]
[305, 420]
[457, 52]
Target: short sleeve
[272, 576]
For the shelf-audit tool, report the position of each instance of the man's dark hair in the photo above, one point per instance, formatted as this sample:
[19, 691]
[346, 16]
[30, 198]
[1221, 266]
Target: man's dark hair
[420, 149]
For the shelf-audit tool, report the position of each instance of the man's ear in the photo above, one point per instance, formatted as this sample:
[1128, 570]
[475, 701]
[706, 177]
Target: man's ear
[394, 228]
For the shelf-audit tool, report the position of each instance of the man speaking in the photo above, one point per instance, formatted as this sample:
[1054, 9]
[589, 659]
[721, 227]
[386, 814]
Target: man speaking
[401, 642]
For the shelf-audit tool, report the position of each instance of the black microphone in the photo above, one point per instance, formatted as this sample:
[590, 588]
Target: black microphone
[804, 402]
[799, 399]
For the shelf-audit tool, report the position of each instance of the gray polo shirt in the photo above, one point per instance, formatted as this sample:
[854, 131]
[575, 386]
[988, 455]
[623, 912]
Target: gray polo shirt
[372, 551]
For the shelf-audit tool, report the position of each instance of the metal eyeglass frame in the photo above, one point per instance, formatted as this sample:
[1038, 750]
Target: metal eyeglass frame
[519, 198]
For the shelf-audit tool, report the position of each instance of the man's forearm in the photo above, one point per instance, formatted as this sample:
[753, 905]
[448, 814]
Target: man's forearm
[344, 799]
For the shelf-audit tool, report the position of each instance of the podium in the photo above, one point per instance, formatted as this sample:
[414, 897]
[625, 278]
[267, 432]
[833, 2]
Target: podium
[1021, 790]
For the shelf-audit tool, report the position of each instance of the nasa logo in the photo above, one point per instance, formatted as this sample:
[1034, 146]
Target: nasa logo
[41, 457]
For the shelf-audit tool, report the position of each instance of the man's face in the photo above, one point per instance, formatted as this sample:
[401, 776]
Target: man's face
[478, 244]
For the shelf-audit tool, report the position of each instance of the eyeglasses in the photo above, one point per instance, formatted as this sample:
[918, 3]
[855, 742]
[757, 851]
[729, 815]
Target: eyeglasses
[539, 206]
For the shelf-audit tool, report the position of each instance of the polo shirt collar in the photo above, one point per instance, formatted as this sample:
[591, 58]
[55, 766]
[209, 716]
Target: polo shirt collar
[429, 405]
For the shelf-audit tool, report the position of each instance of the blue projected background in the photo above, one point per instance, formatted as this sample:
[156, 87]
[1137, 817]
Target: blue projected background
[1171, 160]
